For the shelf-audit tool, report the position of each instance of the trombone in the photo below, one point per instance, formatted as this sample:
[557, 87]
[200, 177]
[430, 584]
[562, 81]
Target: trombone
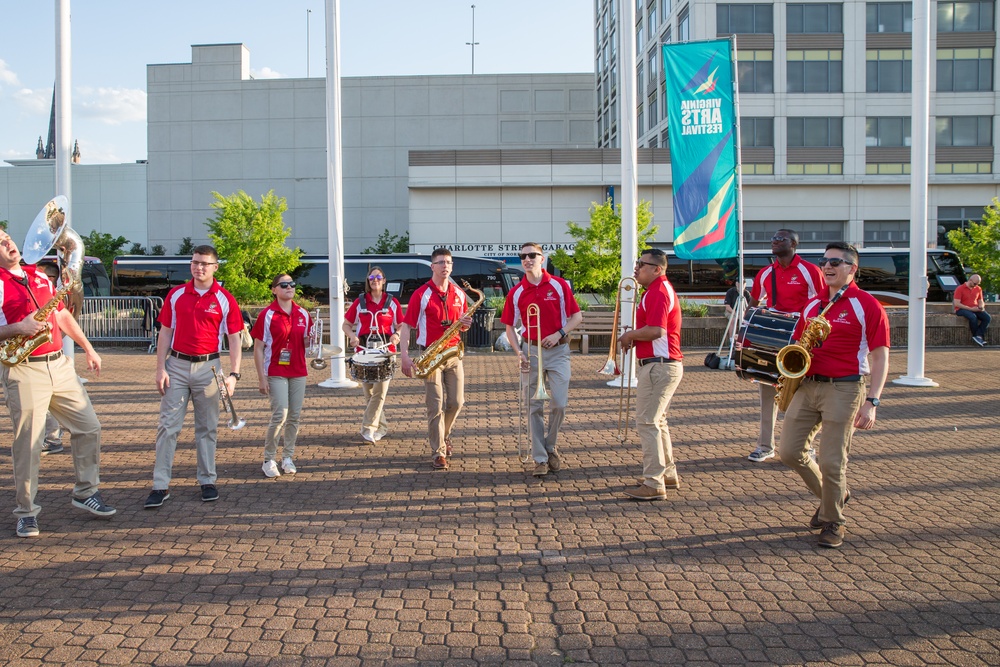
[626, 293]
[532, 322]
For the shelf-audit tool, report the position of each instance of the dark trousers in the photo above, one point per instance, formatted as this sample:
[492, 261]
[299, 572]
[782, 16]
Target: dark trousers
[978, 321]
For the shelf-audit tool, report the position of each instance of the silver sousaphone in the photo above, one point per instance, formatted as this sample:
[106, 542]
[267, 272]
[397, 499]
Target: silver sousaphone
[51, 229]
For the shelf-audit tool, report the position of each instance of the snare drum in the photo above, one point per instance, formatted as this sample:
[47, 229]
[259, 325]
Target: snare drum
[762, 335]
[372, 366]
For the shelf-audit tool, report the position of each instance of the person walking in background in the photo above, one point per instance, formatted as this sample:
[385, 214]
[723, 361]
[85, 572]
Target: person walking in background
[194, 319]
[375, 316]
[558, 314]
[52, 444]
[785, 285]
[280, 335]
[969, 303]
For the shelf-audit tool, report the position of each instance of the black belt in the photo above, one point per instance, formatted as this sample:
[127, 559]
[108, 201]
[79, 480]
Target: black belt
[846, 378]
[45, 357]
[658, 360]
[194, 358]
[529, 341]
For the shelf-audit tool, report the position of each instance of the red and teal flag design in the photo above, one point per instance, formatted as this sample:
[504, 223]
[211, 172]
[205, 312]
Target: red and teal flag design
[703, 152]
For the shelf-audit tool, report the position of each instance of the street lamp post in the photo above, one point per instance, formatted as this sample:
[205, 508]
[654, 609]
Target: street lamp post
[473, 43]
[308, 12]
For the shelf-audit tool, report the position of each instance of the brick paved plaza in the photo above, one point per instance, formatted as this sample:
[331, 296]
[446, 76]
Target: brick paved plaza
[368, 557]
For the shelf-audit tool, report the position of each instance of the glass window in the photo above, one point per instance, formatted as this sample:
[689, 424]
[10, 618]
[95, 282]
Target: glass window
[816, 18]
[964, 70]
[965, 16]
[889, 70]
[744, 19]
[664, 9]
[955, 217]
[755, 70]
[815, 131]
[638, 77]
[964, 131]
[887, 131]
[638, 39]
[651, 105]
[651, 22]
[889, 17]
[820, 71]
[757, 132]
[885, 234]
[684, 25]
[654, 62]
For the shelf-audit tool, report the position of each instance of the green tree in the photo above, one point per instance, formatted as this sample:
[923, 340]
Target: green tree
[250, 237]
[387, 243]
[157, 250]
[187, 247]
[105, 246]
[3, 225]
[595, 265]
[137, 249]
[979, 246]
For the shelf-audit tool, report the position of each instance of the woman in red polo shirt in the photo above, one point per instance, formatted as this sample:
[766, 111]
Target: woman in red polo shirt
[280, 336]
[376, 316]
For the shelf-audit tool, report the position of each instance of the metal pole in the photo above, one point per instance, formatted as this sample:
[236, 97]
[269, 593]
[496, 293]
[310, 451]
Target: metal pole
[308, 12]
[64, 121]
[473, 43]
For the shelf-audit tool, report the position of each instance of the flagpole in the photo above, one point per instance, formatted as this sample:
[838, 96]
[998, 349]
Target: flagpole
[740, 304]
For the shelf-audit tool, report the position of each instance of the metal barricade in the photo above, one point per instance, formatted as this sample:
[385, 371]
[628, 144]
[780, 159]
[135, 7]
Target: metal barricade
[129, 319]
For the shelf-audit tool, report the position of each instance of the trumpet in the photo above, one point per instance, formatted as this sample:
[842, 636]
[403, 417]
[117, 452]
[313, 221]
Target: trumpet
[628, 288]
[235, 422]
[315, 347]
[532, 323]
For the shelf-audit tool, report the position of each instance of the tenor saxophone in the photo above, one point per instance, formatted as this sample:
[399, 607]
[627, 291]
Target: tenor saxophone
[18, 348]
[437, 353]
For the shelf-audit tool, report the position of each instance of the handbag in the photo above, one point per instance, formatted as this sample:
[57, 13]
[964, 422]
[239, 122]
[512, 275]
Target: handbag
[712, 360]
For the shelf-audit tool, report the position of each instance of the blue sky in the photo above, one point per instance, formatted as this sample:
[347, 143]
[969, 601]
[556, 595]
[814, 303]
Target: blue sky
[114, 40]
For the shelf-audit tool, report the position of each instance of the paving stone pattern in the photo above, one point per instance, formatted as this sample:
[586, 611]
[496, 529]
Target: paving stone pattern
[369, 557]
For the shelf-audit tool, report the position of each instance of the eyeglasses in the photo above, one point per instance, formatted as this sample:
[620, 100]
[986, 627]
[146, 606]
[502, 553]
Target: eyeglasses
[832, 261]
[781, 239]
[443, 262]
[376, 277]
[285, 284]
[639, 264]
[529, 255]
[202, 265]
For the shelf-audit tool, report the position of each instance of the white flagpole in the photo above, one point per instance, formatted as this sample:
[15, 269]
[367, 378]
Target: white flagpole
[64, 123]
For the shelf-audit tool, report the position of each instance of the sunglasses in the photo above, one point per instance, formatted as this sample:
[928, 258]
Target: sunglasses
[639, 264]
[285, 284]
[832, 261]
[529, 255]
[376, 277]
[780, 239]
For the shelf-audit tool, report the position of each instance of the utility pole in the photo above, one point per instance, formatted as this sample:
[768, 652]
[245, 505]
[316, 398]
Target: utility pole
[473, 43]
[308, 12]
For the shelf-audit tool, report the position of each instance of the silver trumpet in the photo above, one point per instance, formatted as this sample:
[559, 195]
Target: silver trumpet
[315, 348]
[235, 422]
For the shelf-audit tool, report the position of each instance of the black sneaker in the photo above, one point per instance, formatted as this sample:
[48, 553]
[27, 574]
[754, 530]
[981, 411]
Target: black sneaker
[209, 493]
[815, 523]
[832, 536]
[27, 527]
[94, 505]
[53, 448]
[156, 498]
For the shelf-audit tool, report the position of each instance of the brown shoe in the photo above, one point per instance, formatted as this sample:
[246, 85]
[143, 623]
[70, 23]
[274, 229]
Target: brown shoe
[815, 523]
[555, 463]
[643, 492]
[832, 535]
[541, 469]
[447, 447]
[672, 483]
[440, 463]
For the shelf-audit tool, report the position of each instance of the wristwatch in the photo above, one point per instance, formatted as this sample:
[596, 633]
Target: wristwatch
[874, 401]
[562, 332]
[235, 375]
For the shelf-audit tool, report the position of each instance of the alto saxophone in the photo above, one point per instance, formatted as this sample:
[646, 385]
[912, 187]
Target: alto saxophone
[437, 353]
[16, 349]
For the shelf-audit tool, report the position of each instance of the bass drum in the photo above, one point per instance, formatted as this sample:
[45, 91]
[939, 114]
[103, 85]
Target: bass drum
[762, 335]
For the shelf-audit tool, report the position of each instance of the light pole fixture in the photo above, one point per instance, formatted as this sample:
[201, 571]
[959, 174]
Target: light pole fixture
[308, 12]
[473, 43]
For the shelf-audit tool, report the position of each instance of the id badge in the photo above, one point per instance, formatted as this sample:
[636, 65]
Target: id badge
[285, 357]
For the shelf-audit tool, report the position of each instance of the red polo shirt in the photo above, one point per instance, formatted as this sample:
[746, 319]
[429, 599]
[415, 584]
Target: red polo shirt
[368, 317]
[16, 304]
[968, 296]
[430, 307]
[200, 321]
[278, 331]
[796, 285]
[858, 325]
[554, 299]
[659, 307]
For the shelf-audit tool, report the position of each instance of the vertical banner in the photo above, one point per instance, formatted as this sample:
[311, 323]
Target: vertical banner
[702, 117]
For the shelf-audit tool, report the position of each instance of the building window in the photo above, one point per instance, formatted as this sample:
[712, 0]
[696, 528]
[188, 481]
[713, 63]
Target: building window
[889, 70]
[887, 132]
[664, 9]
[816, 71]
[651, 22]
[638, 38]
[654, 61]
[815, 132]
[889, 17]
[757, 132]
[639, 118]
[684, 25]
[744, 19]
[639, 79]
[887, 234]
[955, 217]
[666, 36]
[964, 70]
[652, 141]
[816, 18]
[651, 105]
[755, 70]
[964, 131]
[965, 16]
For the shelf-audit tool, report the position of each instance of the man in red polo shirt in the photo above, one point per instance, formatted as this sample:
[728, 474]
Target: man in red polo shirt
[45, 382]
[434, 307]
[785, 285]
[969, 303]
[193, 321]
[558, 314]
[840, 391]
[657, 342]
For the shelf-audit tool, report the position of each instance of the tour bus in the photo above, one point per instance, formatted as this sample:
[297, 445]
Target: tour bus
[151, 275]
[883, 272]
[93, 275]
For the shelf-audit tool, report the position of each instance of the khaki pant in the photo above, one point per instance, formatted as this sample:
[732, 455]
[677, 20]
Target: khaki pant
[373, 420]
[194, 381]
[31, 390]
[286, 396]
[768, 416]
[655, 387]
[555, 363]
[832, 406]
[444, 397]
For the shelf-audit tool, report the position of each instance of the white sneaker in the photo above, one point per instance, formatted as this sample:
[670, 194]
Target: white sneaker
[378, 436]
[270, 469]
[287, 466]
[760, 454]
[367, 435]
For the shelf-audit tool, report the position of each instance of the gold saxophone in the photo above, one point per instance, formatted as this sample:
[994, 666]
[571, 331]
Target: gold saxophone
[436, 353]
[16, 349]
[793, 361]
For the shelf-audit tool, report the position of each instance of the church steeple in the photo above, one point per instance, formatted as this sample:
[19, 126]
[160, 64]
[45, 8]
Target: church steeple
[76, 152]
[40, 151]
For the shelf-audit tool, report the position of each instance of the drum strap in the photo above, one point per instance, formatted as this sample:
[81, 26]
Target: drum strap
[772, 301]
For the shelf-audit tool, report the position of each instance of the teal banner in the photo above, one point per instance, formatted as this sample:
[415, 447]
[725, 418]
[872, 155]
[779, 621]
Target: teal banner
[703, 158]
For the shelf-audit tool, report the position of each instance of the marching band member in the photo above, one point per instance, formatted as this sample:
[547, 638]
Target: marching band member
[279, 354]
[788, 283]
[377, 317]
[433, 308]
[840, 391]
[45, 382]
[558, 314]
[194, 318]
[657, 342]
